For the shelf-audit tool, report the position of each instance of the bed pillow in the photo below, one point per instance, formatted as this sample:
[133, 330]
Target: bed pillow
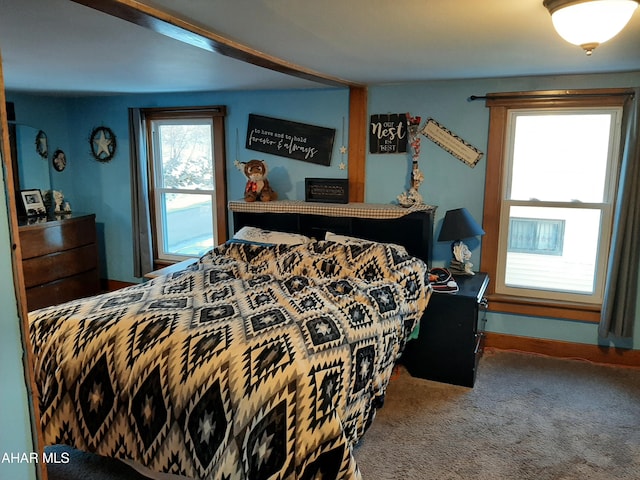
[334, 237]
[248, 242]
[255, 234]
[346, 240]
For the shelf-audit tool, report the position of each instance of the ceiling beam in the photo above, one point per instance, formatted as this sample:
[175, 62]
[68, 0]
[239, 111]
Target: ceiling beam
[179, 29]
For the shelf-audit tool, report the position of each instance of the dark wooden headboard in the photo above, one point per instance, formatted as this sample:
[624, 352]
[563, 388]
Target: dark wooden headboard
[414, 230]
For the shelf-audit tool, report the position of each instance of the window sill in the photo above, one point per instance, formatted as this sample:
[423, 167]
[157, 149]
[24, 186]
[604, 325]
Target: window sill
[166, 268]
[584, 312]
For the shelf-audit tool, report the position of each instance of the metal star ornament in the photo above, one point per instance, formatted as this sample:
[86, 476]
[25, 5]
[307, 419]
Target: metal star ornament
[103, 144]
[343, 150]
[239, 165]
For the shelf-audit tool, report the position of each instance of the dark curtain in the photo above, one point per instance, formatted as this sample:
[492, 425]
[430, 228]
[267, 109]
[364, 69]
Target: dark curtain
[621, 289]
[141, 220]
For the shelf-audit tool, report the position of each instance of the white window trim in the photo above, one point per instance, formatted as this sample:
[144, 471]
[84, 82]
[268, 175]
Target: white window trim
[606, 207]
[160, 226]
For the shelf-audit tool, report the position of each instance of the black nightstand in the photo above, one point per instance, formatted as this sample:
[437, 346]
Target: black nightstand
[451, 334]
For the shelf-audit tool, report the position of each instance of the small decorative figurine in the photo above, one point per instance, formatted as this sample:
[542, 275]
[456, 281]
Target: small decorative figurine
[54, 201]
[460, 263]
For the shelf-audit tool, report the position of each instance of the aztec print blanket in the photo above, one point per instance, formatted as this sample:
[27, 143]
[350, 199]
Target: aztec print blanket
[258, 362]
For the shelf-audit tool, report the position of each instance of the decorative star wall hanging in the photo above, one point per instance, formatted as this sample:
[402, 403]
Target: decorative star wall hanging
[343, 150]
[103, 144]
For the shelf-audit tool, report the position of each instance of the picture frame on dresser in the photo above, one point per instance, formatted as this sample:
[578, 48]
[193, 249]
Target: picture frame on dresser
[32, 203]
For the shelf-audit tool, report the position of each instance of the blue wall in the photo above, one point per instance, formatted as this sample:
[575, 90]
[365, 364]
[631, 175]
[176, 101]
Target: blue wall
[104, 188]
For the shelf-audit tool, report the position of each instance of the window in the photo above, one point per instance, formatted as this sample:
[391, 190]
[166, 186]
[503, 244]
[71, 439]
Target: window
[550, 191]
[187, 178]
[535, 235]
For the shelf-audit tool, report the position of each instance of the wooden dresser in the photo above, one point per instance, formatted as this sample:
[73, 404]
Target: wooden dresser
[59, 259]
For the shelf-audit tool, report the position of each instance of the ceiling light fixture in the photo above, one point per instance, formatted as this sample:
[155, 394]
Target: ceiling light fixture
[588, 23]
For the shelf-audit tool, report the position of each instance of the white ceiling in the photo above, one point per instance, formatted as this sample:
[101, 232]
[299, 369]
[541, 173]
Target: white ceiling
[64, 47]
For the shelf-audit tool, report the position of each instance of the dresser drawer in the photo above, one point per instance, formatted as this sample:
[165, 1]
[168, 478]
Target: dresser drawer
[38, 240]
[84, 284]
[54, 266]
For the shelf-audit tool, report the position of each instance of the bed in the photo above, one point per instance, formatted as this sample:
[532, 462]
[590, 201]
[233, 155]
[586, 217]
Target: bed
[261, 361]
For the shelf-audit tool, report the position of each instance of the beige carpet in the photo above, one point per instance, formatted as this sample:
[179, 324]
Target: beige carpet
[527, 418]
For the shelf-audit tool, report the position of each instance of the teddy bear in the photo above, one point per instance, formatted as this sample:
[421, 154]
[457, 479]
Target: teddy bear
[258, 187]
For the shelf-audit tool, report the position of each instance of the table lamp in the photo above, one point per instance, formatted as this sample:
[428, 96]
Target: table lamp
[459, 224]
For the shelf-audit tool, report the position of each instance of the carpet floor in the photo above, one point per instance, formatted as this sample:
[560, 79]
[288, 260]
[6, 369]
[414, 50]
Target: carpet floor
[527, 418]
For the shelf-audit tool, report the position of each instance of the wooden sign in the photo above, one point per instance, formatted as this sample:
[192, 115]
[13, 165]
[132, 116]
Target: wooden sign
[452, 143]
[388, 133]
[290, 139]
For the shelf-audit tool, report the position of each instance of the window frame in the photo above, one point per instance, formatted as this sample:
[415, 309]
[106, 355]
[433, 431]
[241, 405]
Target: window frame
[500, 106]
[216, 114]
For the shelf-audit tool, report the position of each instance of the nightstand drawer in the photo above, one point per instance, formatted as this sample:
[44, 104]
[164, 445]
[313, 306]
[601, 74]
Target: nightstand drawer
[479, 344]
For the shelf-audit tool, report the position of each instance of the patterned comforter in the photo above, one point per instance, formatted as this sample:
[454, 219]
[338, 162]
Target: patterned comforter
[259, 362]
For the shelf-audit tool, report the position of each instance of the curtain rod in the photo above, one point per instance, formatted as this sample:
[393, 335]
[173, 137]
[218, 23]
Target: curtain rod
[473, 98]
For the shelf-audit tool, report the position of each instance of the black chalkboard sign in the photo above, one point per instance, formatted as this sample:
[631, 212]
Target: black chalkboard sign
[388, 133]
[330, 190]
[290, 139]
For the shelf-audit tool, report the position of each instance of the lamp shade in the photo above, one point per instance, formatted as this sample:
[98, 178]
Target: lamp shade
[459, 224]
[588, 23]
